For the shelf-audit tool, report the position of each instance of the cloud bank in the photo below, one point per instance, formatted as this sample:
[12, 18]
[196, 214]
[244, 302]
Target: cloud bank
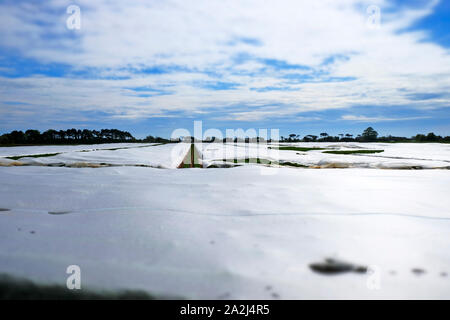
[246, 60]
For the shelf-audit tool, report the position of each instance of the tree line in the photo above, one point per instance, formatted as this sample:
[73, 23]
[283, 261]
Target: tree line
[71, 136]
[368, 135]
[77, 136]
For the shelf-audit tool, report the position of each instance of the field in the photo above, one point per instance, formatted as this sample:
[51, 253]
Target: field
[292, 222]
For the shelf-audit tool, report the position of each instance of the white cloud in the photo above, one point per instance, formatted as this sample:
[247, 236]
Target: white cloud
[377, 119]
[119, 37]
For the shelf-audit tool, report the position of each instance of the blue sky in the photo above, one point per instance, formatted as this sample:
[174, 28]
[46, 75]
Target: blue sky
[151, 67]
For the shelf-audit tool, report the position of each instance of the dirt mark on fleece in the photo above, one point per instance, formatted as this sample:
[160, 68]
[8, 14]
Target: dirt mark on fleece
[332, 266]
[59, 212]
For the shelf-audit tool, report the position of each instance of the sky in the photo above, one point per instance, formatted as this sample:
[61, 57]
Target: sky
[150, 67]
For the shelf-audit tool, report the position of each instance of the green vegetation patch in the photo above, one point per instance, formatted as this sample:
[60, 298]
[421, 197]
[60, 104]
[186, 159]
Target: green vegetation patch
[353, 151]
[249, 160]
[215, 166]
[33, 156]
[298, 148]
[265, 161]
[196, 165]
[292, 164]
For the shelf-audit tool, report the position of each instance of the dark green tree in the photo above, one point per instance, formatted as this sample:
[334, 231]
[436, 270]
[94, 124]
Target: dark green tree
[369, 134]
[33, 136]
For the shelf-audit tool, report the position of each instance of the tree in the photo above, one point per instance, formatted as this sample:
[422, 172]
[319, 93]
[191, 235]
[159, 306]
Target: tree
[369, 134]
[67, 136]
[310, 137]
[62, 135]
[420, 137]
[86, 135]
[106, 134]
[32, 136]
[71, 133]
[4, 139]
[17, 136]
[432, 137]
[49, 136]
[97, 135]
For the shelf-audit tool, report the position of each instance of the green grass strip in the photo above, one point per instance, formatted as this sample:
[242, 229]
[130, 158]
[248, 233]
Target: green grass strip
[353, 151]
[297, 148]
[249, 160]
[292, 164]
[33, 156]
[196, 165]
